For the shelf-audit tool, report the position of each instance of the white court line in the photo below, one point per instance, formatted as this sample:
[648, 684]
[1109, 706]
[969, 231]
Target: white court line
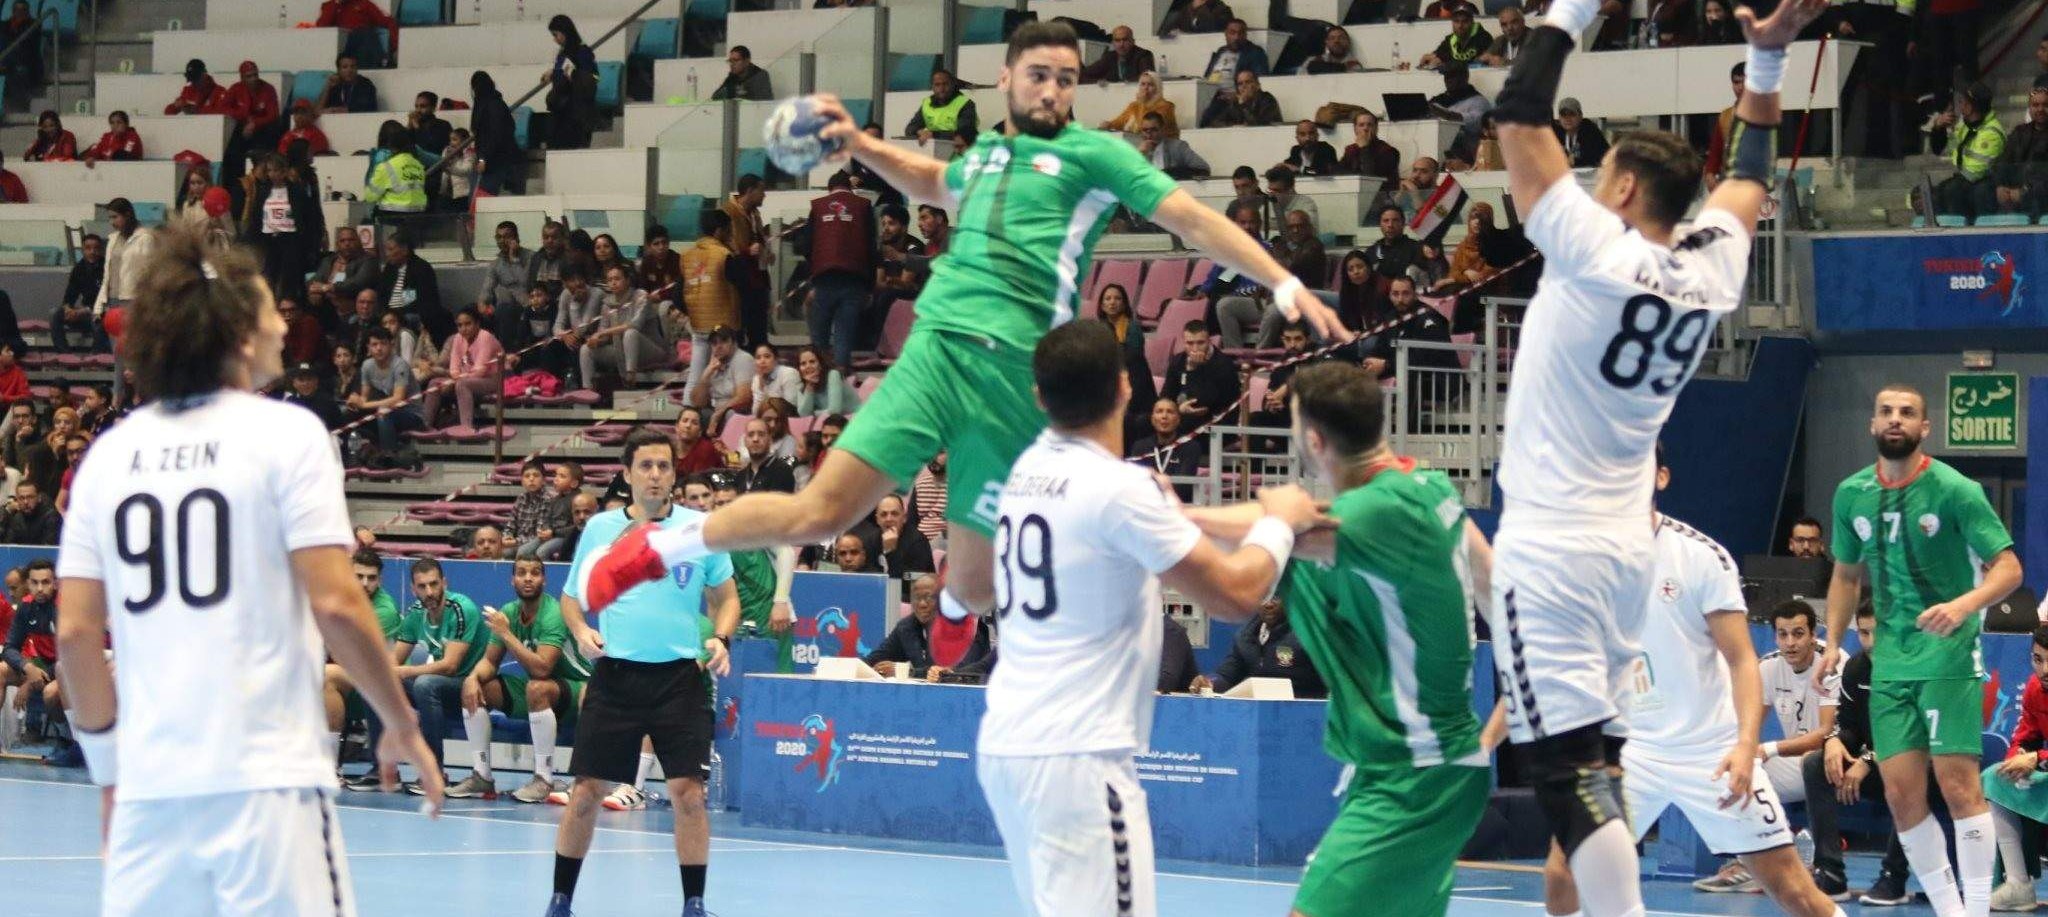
[384, 854]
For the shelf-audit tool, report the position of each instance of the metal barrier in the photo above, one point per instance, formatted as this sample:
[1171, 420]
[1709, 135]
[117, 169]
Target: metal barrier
[1444, 407]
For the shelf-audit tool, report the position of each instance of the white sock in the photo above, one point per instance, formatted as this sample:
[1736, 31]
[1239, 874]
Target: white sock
[1927, 851]
[646, 764]
[2010, 850]
[477, 723]
[1976, 849]
[1605, 869]
[543, 723]
[1572, 16]
[679, 545]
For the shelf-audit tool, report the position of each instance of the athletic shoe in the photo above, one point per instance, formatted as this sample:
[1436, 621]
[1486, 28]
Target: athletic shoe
[1831, 883]
[1733, 877]
[66, 754]
[474, 786]
[626, 798]
[628, 562]
[2015, 895]
[537, 790]
[366, 782]
[694, 907]
[1888, 891]
[558, 906]
[558, 798]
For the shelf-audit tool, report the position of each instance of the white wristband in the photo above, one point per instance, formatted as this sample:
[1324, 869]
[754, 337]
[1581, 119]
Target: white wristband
[952, 609]
[1765, 71]
[1274, 537]
[1283, 297]
[98, 748]
[1769, 749]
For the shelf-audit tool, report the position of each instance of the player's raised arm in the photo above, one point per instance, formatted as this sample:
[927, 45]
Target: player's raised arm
[1752, 154]
[1232, 585]
[1521, 115]
[917, 175]
[1208, 231]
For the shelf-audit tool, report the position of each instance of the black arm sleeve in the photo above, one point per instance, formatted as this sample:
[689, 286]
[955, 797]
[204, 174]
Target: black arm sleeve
[1244, 656]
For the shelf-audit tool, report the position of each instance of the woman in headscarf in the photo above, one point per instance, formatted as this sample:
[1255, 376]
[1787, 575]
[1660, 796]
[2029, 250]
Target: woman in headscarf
[497, 137]
[572, 87]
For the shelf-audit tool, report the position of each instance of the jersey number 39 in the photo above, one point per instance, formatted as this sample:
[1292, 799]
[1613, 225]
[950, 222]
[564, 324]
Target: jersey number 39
[1646, 328]
[1024, 562]
[139, 530]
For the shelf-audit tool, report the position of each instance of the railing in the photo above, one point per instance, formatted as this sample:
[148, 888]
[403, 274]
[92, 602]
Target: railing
[1444, 407]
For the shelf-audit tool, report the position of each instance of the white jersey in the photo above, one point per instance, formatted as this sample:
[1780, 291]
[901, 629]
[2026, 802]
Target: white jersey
[189, 518]
[1080, 540]
[1792, 695]
[1681, 700]
[1617, 326]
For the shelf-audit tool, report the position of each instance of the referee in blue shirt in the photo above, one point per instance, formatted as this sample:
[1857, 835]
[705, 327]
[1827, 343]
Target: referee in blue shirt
[650, 679]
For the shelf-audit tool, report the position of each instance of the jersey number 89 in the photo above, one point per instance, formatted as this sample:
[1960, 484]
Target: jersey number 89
[1646, 328]
[139, 539]
[1024, 556]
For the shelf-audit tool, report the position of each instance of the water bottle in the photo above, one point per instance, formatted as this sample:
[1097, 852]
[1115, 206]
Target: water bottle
[693, 84]
[1162, 66]
[284, 17]
[714, 788]
[519, 11]
[1399, 64]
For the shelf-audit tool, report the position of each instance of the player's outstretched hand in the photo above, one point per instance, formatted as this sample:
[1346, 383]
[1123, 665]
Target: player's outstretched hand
[842, 126]
[781, 617]
[1830, 657]
[1784, 25]
[1943, 619]
[1322, 318]
[1739, 765]
[402, 743]
[1291, 504]
[716, 659]
[590, 642]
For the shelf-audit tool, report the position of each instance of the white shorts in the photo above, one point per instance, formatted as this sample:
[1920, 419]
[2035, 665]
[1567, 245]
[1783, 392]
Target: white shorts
[1567, 611]
[1788, 777]
[1077, 833]
[264, 853]
[1651, 784]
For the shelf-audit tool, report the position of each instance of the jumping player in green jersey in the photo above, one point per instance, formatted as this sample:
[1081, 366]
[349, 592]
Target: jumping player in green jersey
[1385, 614]
[1932, 547]
[1031, 202]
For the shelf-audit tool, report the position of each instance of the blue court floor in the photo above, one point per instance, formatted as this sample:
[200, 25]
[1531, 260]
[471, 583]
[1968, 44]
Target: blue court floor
[495, 858]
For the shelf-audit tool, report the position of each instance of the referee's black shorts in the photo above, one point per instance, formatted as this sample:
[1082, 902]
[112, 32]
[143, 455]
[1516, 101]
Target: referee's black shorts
[667, 702]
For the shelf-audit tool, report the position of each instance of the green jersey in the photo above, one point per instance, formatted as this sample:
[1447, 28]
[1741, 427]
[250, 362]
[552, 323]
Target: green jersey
[1030, 211]
[461, 622]
[388, 618]
[753, 576]
[1925, 541]
[1388, 625]
[546, 629]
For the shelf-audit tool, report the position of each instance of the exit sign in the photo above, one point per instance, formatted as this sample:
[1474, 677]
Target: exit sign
[1983, 411]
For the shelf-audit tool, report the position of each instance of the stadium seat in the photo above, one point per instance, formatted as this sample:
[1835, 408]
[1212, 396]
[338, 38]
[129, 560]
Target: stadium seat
[308, 85]
[67, 15]
[911, 72]
[752, 162]
[895, 330]
[522, 120]
[981, 25]
[1160, 347]
[610, 76]
[582, 396]
[862, 110]
[1950, 220]
[707, 10]
[479, 434]
[657, 39]
[419, 12]
[2004, 219]
[683, 216]
[149, 213]
[1164, 280]
[1126, 274]
[735, 431]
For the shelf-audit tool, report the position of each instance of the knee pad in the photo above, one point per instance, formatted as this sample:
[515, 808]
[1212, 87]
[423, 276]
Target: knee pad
[1574, 782]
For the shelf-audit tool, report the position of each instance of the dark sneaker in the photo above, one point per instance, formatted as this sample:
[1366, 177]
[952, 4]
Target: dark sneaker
[694, 907]
[558, 906]
[1831, 883]
[366, 782]
[1888, 891]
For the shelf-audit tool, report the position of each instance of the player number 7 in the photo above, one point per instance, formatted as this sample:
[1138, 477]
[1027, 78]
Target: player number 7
[1933, 723]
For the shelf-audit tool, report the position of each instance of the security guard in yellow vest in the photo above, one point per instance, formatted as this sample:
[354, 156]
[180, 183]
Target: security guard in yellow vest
[398, 184]
[946, 114]
[1974, 142]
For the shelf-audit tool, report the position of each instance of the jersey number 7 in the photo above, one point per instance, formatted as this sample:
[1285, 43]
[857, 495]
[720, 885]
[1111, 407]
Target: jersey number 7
[151, 553]
[1646, 327]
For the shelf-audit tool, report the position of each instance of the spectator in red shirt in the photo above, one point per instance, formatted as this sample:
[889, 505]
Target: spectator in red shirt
[303, 342]
[201, 95]
[13, 381]
[119, 143]
[53, 142]
[2016, 798]
[12, 191]
[258, 123]
[359, 21]
[842, 266]
[304, 116]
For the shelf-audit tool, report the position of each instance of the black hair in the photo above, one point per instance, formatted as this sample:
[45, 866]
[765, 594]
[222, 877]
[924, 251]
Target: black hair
[1195, 324]
[1668, 169]
[1039, 35]
[425, 565]
[433, 100]
[1809, 520]
[747, 182]
[1077, 367]
[392, 135]
[839, 180]
[936, 211]
[642, 437]
[1342, 402]
[2041, 636]
[714, 221]
[895, 211]
[743, 51]
[505, 225]
[1796, 608]
[834, 420]
[563, 24]
[40, 563]
[364, 557]
[92, 237]
[1281, 176]
[1244, 172]
[655, 231]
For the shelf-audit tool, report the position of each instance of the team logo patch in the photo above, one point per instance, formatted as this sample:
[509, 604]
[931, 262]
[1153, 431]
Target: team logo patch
[1863, 528]
[684, 574]
[1285, 655]
[1668, 591]
[1046, 163]
[1930, 524]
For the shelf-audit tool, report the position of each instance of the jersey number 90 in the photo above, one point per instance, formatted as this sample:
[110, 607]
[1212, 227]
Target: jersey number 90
[1024, 562]
[139, 530]
[1646, 328]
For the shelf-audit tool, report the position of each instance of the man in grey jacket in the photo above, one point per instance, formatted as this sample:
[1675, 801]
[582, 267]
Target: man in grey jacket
[1171, 155]
[746, 82]
[629, 335]
[503, 296]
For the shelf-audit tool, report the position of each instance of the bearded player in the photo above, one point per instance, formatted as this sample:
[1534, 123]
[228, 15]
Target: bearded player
[1032, 201]
[1619, 323]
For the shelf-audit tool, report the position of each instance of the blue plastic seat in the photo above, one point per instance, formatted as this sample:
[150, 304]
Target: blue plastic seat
[707, 10]
[1950, 220]
[67, 14]
[981, 25]
[522, 118]
[149, 213]
[753, 162]
[308, 85]
[657, 39]
[912, 72]
[420, 12]
[860, 109]
[684, 215]
[610, 76]
[2004, 219]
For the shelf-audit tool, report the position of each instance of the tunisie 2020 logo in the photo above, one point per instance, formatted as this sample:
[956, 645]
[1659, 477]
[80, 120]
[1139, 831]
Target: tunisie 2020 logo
[1993, 276]
[814, 743]
[833, 631]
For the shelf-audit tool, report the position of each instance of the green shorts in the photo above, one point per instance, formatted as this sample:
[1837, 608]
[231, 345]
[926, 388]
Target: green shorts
[1393, 848]
[565, 706]
[950, 393]
[1940, 716]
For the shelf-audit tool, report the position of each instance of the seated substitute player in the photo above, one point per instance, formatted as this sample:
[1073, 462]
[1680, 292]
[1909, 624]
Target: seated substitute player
[2018, 797]
[1939, 556]
[1383, 606]
[29, 657]
[211, 521]
[1696, 713]
[651, 682]
[337, 695]
[1616, 328]
[1806, 716]
[1085, 539]
[530, 630]
[452, 627]
[1032, 200]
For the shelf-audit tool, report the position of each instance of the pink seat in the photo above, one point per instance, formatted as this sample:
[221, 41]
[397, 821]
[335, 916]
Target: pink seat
[35, 324]
[895, 330]
[798, 426]
[71, 360]
[735, 430]
[427, 436]
[1256, 388]
[579, 396]
[483, 434]
[1125, 274]
[102, 360]
[1164, 281]
[1165, 342]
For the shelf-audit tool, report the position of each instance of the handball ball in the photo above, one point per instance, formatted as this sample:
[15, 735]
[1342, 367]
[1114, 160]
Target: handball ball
[792, 138]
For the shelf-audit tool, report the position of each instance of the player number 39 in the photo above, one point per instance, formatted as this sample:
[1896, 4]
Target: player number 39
[1024, 554]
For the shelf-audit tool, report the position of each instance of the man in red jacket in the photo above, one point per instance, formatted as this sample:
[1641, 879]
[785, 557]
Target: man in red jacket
[2016, 789]
[304, 116]
[259, 121]
[12, 191]
[842, 267]
[359, 20]
[201, 95]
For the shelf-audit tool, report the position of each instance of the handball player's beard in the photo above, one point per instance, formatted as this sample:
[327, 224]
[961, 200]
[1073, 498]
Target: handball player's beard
[1045, 126]
[1906, 445]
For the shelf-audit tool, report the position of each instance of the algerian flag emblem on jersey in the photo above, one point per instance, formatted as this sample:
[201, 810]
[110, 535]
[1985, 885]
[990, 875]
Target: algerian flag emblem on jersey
[1046, 163]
